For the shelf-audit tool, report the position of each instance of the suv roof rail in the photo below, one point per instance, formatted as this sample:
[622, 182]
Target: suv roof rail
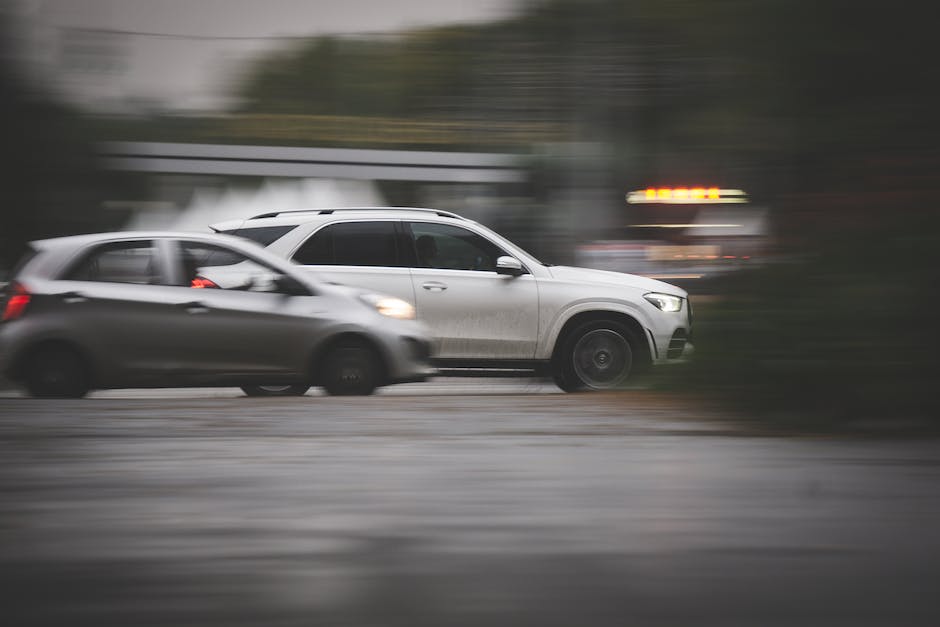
[274, 214]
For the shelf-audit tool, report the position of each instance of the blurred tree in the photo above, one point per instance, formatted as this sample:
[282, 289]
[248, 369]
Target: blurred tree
[845, 94]
[409, 75]
[826, 110]
[50, 184]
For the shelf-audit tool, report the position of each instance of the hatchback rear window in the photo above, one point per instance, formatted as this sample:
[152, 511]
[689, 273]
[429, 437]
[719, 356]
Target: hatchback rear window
[263, 235]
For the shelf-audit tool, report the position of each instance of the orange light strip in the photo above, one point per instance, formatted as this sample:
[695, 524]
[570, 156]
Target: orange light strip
[686, 195]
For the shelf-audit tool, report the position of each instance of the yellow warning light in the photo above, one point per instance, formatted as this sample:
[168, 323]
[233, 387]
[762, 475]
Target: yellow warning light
[687, 195]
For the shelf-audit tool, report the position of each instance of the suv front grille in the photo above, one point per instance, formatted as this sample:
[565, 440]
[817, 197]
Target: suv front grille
[677, 344]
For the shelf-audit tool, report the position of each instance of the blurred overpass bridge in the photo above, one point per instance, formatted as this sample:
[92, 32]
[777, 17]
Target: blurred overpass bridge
[330, 163]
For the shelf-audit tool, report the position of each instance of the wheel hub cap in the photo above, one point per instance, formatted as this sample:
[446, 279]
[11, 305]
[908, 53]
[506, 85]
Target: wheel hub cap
[602, 359]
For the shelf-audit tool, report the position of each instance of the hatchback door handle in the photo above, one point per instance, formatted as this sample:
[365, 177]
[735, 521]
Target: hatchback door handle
[195, 307]
[74, 297]
[434, 286]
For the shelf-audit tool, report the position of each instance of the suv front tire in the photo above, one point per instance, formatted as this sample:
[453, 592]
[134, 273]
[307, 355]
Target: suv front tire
[597, 355]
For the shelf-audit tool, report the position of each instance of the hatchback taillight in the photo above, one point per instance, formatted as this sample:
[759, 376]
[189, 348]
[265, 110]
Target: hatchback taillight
[202, 282]
[16, 302]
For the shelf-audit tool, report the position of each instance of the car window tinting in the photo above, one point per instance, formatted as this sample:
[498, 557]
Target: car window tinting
[120, 262]
[449, 247]
[263, 235]
[351, 244]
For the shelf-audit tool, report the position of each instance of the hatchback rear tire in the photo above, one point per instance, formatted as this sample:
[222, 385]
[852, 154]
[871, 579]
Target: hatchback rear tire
[56, 372]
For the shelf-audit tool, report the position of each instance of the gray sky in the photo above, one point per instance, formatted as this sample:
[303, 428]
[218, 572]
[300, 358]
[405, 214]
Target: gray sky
[239, 18]
[101, 71]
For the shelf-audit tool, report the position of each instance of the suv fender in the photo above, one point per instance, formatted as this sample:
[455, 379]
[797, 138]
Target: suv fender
[580, 311]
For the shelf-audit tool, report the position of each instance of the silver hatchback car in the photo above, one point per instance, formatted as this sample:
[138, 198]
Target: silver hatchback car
[121, 310]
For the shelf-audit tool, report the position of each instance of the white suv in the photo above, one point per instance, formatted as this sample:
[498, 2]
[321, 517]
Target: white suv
[491, 307]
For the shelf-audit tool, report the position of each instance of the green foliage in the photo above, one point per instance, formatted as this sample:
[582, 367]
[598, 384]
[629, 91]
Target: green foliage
[411, 75]
[718, 89]
[837, 338]
[816, 108]
[50, 184]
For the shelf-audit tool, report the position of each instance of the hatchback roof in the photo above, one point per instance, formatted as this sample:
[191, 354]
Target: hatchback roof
[56, 250]
[89, 238]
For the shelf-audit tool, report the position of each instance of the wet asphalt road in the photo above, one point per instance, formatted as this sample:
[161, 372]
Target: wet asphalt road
[456, 503]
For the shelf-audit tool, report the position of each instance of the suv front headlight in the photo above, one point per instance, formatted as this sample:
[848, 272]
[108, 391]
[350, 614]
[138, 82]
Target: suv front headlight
[664, 302]
[390, 306]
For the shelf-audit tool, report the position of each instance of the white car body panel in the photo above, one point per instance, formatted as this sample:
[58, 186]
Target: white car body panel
[478, 315]
[389, 281]
[572, 290]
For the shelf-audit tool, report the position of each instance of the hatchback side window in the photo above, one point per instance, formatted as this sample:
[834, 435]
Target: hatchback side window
[351, 244]
[453, 248]
[120, 262]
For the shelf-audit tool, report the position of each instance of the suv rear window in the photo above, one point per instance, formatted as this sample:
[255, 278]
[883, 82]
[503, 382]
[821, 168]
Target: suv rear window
[352, 244]
[25, 259]
[263, 235]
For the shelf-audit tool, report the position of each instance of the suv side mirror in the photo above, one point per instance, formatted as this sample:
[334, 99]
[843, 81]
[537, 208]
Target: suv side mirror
[509, 266]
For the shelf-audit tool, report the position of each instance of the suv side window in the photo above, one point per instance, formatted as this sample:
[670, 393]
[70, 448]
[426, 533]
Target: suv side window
[120, 262]
[453, 248]
[351, 244]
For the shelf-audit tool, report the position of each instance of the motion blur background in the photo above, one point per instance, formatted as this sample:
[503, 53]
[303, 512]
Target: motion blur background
[820, 307]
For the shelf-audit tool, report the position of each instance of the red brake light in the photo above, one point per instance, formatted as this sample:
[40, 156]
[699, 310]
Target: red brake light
[16, 303]
[201, 282]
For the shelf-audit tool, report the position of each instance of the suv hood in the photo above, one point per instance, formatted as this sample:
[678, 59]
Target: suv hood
[604, 277]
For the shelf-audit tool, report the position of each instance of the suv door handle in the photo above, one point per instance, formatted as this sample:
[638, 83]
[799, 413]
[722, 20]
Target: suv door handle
[434, 286]
[71, 298]
[195, 307]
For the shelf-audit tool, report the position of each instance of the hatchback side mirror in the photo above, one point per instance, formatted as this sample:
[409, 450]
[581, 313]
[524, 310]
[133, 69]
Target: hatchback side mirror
[509, 266]
[290, 286]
